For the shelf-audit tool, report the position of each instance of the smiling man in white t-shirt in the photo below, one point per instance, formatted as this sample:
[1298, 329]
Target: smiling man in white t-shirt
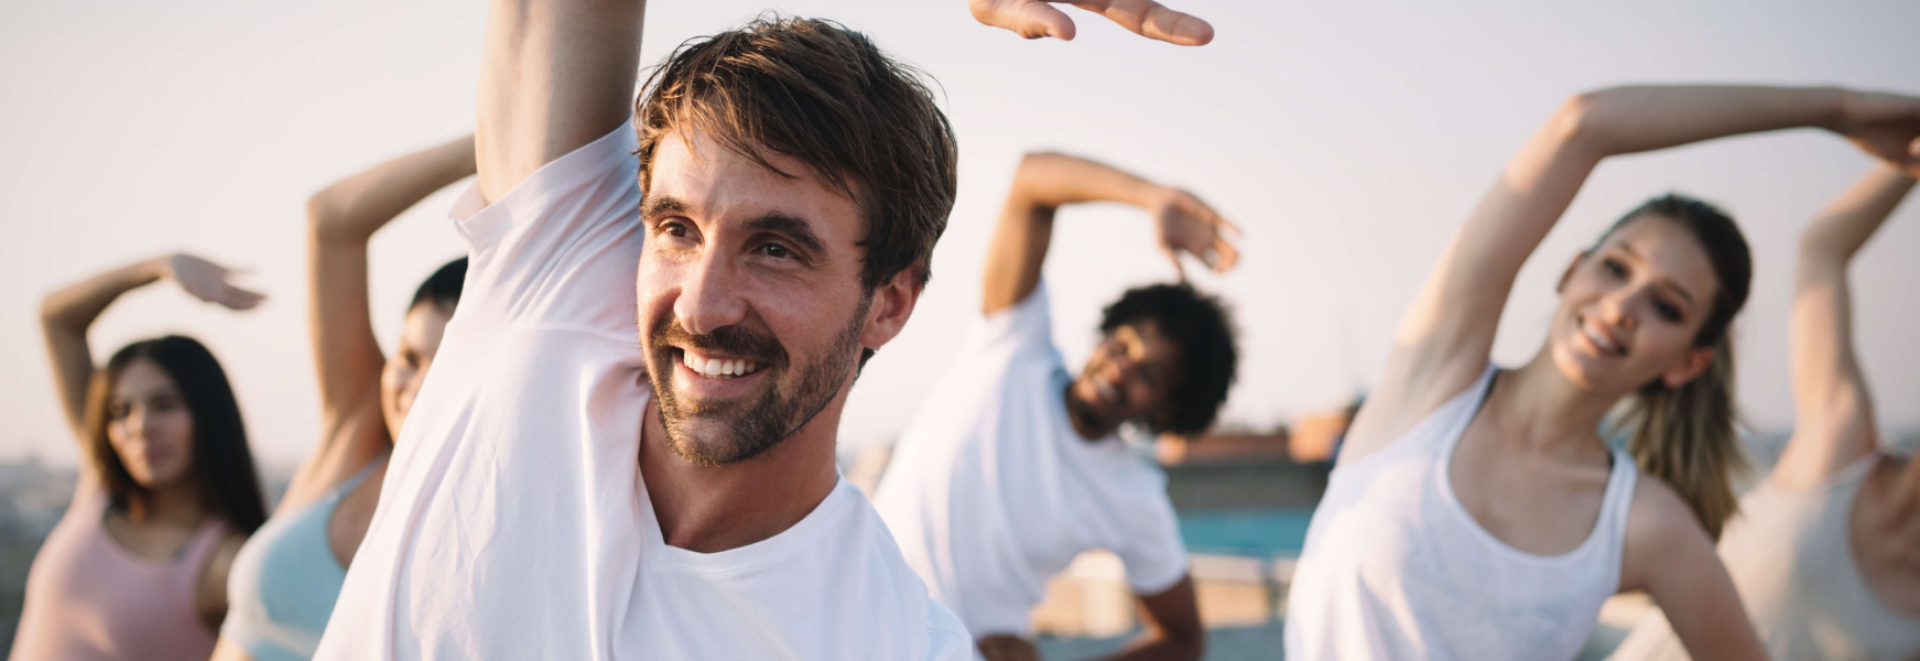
[1015, 466]
[611, 464]
[606, 466]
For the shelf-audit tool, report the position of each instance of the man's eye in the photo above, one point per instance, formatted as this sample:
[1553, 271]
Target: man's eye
[672, 228]
[777, 251]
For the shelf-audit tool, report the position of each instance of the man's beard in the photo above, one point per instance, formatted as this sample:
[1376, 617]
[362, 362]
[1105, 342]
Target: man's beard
[757, 423]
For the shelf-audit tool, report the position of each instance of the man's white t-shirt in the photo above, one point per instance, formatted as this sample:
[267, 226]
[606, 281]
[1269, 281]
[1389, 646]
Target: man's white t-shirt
[513, 523]
[991, 491]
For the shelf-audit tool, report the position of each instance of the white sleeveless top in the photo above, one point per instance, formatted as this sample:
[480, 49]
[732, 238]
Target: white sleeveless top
[1396, 568]
[1790, 557]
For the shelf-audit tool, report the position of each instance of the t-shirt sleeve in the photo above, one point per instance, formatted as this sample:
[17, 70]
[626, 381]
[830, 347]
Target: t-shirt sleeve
[1156, 558]
[1024, 325]
[561, 249]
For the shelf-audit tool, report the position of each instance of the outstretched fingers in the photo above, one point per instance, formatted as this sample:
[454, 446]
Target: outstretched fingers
[234, 297]
[1031, 19]
[1222, 255]
[211, 282]
[1152, 20]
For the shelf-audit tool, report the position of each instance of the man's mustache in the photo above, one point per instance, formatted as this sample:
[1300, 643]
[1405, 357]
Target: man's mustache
[734, 341]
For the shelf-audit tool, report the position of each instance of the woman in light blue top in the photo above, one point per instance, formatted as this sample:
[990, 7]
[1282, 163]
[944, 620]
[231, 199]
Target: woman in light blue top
[285, 580]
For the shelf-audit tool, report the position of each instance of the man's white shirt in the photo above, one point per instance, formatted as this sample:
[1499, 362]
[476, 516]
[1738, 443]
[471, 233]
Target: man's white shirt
[991, 491]
[513, 523]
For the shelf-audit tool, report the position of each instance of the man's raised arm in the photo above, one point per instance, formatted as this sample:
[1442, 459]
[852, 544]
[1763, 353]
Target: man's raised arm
[554, 76]
[1047, 181]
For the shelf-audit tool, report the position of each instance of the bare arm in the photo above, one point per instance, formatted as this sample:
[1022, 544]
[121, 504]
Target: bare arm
[1045, 182]
[65, 316]
[1445, 338]
[211, 597]
[341, 219]
[1669, 555]
[1173, 628]
[554, 76]
[1034, 19]
[1835, 411]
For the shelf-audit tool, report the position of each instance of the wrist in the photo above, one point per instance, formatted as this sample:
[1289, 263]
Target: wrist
[158, 268]
[1836, 105]
[1152, 196]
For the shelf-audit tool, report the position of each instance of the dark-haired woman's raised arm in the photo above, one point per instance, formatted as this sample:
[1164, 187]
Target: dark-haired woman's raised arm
[341, 220]
[1444, 339]
[65, 316]
[1834, 410]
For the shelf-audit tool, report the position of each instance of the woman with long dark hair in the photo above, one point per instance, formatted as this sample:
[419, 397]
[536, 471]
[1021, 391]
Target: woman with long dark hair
[1477, 512]
[287, 578]
[137, 569]
[1823, 551]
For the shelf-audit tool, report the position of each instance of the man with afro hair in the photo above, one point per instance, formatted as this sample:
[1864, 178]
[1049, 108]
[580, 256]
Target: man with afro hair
[1016, 466]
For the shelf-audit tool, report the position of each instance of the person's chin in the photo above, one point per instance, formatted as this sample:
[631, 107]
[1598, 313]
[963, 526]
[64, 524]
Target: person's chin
[705, 440]
[1583, 370]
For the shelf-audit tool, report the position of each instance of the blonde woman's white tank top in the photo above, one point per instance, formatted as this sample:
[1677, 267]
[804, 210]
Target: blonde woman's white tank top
[1790, 557]
[1396, 568]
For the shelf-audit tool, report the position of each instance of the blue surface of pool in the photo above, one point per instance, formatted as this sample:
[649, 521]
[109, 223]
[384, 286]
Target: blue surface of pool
[1258, 533]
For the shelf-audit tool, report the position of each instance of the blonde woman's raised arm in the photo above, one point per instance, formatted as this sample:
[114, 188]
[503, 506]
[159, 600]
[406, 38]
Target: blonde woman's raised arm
[1834, 411]
[1447, 334]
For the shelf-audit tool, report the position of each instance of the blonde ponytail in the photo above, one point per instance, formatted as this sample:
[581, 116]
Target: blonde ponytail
[1685, 437]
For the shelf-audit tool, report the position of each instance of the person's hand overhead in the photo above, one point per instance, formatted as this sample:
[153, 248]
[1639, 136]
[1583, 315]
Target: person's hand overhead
[1034, 19]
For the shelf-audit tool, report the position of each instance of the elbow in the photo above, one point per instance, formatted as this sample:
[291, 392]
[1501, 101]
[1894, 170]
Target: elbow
[56, 314]
[325, 221]
[50, 314]
[1587, 120]
[1033, 160]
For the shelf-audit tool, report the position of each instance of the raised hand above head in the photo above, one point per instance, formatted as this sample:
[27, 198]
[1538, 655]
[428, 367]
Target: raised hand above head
[1034, 19]
[1047, 181]
[209, 282]
[1182, 223]
[1884, 125]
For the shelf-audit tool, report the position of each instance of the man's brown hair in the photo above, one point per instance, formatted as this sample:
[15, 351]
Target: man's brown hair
[824, 94]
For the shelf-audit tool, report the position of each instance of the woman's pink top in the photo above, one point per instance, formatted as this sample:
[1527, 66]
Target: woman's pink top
[90, 599]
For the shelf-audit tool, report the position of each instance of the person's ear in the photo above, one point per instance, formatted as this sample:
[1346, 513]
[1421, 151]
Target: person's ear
[1688, 367]
[893, 303]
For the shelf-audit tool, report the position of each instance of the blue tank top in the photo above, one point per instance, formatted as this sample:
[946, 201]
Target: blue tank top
[281, 589]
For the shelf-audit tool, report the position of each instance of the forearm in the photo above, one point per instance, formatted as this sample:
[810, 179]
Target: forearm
[1624, 120]
[1831, 399]
[65, 317]
[1851, 220]
[76, 306]
[1050, 180]
[351, 210]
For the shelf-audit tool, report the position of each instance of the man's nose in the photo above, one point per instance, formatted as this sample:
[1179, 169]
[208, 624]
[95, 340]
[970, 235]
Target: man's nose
[709, 296]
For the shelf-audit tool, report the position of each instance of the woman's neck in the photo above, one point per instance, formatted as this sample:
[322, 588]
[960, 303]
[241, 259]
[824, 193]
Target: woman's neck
[1539, 407]
[173, 505]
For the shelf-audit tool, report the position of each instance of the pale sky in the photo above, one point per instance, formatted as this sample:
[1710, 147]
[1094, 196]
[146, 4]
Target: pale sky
[1349, 138]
